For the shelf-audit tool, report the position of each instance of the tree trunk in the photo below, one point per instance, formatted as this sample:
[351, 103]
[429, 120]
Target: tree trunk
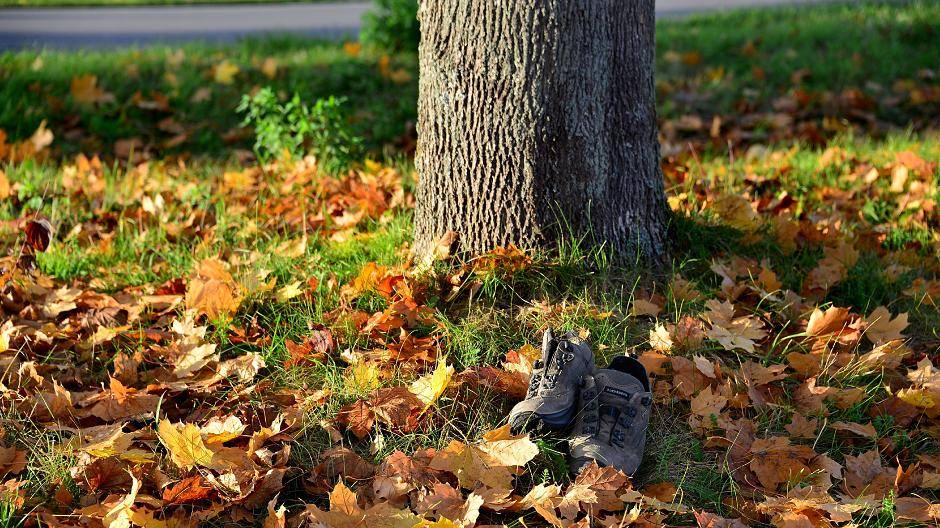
[537, 120]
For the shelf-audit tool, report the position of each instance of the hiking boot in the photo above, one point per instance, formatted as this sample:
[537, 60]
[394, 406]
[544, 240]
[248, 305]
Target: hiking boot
[614, 412]
[552, 398]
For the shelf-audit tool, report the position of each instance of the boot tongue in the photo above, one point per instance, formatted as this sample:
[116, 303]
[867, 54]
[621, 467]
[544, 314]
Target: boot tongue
[548, 338]
[620, 387]
[608, 415]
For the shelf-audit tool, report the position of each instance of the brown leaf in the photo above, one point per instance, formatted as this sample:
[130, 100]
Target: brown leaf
[801, 427]
[38, 234]
[775, 461]
[868, 431]
[12, 461]
[664, 491]
[396, 407]
[358, 418]
[188, 490]
[340, 462]
[881, 328]
[212, 291]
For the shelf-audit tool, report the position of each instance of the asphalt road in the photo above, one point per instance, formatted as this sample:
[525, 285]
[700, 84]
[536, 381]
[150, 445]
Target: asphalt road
[102, 27]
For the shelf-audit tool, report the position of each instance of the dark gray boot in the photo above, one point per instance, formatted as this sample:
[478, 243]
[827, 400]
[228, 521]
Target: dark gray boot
[552, 398]
[610, 427]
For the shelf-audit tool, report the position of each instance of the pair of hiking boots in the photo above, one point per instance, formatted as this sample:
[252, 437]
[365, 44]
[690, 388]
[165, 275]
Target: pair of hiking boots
[603, 412]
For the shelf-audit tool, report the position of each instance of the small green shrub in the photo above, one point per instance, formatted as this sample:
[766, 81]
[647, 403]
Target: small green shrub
[293, 128]
[392, 25]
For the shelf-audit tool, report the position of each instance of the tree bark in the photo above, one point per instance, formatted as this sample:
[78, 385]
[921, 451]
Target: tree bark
[537, 120]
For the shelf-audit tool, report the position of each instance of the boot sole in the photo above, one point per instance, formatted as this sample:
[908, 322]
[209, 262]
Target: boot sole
[534, 422]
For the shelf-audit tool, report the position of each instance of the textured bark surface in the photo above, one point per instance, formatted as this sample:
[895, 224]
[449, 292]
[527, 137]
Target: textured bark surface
[537, 120]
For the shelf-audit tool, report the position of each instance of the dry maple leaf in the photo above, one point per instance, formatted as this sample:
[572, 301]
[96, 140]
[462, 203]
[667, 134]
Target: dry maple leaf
[340, 462]
[732, 333]
[660, 339]
[801, 427]
[888, 356]
[881, 328]
[185, 444]
[737, 212]
[836, 325]
[396, 407]
[544, 499]
[776, 461]
[358, 418]
[708, 403]
[277, 517]
[188, 490]
[191, 359]
[606, 484]
[643, 307]
[917, 509]
[430, 387]
[864, 475]
[12, 461]
[345, 512]
[119, 402]
[85, 90]
[120, 515]
[807, 506]
[486, 462]
[447, 502]
[212, 290]
[868, 431]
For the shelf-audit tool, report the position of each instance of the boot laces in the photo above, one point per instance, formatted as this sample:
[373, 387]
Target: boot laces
[605, 421]
[557, 364]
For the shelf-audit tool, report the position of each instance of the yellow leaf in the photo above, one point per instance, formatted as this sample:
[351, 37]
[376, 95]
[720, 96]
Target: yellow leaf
[289, 292]
[443, 522]
[219, 431]
[362, 377]
[110, 440]
[269, 67]
[4, 186]
[660, 338]
[85, 90]
[352, 48]
[41, 138]
[292, 248]
[6, 330]
[276, 517]
[737, 212]
[194, 359]
[212, 291]
[917, 397]
[120, 515]
[225, 72]
[184, 443]
[343, 499]
[430, 387]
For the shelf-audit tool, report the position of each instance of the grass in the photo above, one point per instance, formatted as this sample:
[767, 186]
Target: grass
[706, 67]
[123, 3]
[130, 229]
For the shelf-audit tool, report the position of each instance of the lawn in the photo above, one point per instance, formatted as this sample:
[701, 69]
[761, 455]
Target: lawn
[191, 336]
[116, 3]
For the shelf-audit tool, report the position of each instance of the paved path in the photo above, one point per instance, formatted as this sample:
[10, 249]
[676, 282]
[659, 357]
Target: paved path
[121, 26]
